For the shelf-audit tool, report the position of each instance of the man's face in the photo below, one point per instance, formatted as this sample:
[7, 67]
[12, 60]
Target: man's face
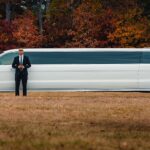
[21, 52]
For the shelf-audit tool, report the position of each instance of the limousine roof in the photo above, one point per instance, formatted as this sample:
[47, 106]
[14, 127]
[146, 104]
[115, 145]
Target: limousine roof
[77, 49]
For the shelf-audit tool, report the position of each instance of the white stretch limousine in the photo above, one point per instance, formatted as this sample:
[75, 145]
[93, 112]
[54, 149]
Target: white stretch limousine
[81, 69]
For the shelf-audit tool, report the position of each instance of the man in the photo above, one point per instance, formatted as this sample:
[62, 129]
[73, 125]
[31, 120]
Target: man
[21, 63]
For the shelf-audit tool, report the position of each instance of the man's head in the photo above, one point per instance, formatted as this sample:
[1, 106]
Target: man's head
[20, 51]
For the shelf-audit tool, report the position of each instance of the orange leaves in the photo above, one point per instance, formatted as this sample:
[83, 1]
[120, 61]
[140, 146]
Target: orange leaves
[6, 37]
[91, 25]
[131, 30]
[21, 32]
[26, 31]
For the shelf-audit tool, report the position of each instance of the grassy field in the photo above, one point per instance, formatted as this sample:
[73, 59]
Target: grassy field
[75, 121]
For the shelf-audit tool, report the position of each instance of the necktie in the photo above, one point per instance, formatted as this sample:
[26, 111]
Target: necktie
[21, 60]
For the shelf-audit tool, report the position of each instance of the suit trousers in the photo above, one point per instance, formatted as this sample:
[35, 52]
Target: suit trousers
[21, 77]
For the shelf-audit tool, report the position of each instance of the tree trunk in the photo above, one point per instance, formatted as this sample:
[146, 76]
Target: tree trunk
[40, 17]
[47, 5]
[8, 12]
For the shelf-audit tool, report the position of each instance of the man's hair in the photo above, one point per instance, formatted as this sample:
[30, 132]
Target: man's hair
[21, 49]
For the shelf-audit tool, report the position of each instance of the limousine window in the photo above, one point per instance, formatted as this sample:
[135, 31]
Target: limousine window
[146, 57]
[84, 57]
[7, 59]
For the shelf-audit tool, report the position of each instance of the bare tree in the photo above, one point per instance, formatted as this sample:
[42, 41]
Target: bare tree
[8, 11]
[40, 16]
[47, 4]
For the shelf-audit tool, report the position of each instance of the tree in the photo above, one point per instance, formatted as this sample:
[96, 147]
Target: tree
[58, 22]
[119, 6]
[7, 40]
[145, 4]
[8, 5]
[132, 30]
[91, 25]
[26, 31]
[75, 23]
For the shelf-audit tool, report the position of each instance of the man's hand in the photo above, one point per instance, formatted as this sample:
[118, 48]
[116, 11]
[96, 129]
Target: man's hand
[21, 67]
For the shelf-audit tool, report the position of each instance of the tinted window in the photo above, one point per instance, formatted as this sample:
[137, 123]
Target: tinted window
[7, 59]
[84, 57]
[146, 57]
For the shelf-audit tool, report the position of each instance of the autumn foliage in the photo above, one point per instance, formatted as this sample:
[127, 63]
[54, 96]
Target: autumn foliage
[80, 23]
[7, 41]
[99, 24]
[91, 26]
[26, 32]
[132, 30]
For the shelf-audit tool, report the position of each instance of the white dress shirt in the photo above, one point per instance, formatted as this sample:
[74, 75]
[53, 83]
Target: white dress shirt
[20, 58]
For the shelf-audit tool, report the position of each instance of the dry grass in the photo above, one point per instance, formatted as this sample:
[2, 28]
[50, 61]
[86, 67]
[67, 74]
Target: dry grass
[75, 121]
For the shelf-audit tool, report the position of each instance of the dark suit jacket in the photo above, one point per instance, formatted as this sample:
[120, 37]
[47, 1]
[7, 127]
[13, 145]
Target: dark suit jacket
[26, 63]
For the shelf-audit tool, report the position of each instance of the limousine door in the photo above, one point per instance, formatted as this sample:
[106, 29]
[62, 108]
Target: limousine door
[144, 76]
[7, 82]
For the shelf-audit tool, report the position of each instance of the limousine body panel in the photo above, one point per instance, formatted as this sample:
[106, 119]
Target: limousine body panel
[7, 78]
[144, 77]
[79, 77]
[84, 76]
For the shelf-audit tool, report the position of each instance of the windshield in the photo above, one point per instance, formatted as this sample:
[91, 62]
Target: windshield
[7, 58]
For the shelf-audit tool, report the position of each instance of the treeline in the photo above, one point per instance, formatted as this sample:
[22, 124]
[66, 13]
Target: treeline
[74, 23]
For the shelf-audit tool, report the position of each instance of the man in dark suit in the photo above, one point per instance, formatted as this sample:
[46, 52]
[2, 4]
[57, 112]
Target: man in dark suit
[21, 63]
